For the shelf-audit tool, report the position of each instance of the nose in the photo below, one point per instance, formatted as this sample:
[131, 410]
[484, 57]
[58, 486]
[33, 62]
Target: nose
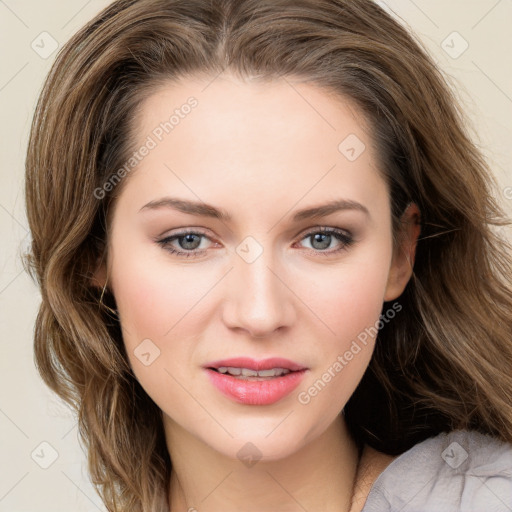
[259, 299]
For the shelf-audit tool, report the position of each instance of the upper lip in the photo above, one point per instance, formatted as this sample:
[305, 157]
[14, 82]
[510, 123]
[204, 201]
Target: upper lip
[253, 364]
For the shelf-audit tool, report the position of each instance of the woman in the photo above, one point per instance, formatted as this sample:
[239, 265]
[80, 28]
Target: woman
[269, 275]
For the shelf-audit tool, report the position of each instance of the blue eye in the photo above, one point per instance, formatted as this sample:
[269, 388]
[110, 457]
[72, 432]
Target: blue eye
[186, 240]
[321, 239]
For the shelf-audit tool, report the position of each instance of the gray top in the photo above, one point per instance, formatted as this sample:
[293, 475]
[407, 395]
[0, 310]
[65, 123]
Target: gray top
[460, 471]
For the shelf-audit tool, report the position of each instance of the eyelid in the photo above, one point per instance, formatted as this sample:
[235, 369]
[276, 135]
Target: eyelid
[321, 229]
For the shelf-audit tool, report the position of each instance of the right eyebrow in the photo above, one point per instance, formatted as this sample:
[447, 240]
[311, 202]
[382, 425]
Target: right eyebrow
[190, 207]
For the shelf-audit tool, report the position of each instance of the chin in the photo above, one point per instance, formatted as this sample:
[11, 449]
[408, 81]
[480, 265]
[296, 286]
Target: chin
[267, 440]
[250, 449]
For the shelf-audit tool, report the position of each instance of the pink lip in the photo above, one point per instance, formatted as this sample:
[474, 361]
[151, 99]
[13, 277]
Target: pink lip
[263, 392]
[252, 364]
[249, 392]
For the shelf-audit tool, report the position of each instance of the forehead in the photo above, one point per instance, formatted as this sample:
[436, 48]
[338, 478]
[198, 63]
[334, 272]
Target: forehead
[254, 108]
[281, 140]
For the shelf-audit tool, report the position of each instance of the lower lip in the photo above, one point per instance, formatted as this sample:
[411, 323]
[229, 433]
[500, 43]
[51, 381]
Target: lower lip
[253, 392]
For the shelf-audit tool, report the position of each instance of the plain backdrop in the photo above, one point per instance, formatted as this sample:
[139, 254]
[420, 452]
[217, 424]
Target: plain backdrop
[43, 467]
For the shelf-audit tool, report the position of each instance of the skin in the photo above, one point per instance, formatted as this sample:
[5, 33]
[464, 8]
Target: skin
[261, 151]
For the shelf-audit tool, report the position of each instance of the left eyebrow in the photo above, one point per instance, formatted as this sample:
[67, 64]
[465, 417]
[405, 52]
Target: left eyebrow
[329, 208]
[207, 210]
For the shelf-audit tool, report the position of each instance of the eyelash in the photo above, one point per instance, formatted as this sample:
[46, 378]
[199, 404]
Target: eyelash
[343, 236]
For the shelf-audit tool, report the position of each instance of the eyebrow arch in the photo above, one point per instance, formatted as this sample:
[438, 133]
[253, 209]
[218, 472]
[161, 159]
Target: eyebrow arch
[206, 210]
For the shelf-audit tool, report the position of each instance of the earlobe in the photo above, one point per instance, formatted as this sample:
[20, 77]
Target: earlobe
[99, 276]
[99, 280]
[404, 255]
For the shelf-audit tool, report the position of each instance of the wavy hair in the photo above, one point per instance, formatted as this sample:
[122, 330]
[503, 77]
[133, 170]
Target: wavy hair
[442, 364]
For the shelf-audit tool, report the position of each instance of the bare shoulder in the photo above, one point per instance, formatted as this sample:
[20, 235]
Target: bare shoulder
[372, 464]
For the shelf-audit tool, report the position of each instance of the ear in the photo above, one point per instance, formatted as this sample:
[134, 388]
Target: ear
[403, 255]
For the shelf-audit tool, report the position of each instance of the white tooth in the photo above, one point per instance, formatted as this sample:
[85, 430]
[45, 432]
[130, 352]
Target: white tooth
[249, 373]
[246, 372]
[273, 372]
[268, 373]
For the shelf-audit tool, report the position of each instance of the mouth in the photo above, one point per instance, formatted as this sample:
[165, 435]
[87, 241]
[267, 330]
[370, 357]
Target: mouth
[253, 375]
[257, 365]
[245, 368]
[252, 382]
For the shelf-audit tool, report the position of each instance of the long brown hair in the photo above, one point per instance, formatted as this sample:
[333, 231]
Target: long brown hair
[443, 363]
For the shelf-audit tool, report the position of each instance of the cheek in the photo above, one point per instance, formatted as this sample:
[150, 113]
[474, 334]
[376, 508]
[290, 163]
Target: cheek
[351, 308]
[350, 314]
[155, 300]
[160, 326]
[348, 297]
[154, 296]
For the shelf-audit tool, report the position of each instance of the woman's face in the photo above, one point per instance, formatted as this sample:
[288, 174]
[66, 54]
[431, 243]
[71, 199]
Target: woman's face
[262, 281]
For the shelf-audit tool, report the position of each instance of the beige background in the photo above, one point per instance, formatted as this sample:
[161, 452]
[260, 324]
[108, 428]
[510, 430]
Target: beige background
[29, 413]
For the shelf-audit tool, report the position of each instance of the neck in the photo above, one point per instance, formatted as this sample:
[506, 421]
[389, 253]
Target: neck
[320, 476]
